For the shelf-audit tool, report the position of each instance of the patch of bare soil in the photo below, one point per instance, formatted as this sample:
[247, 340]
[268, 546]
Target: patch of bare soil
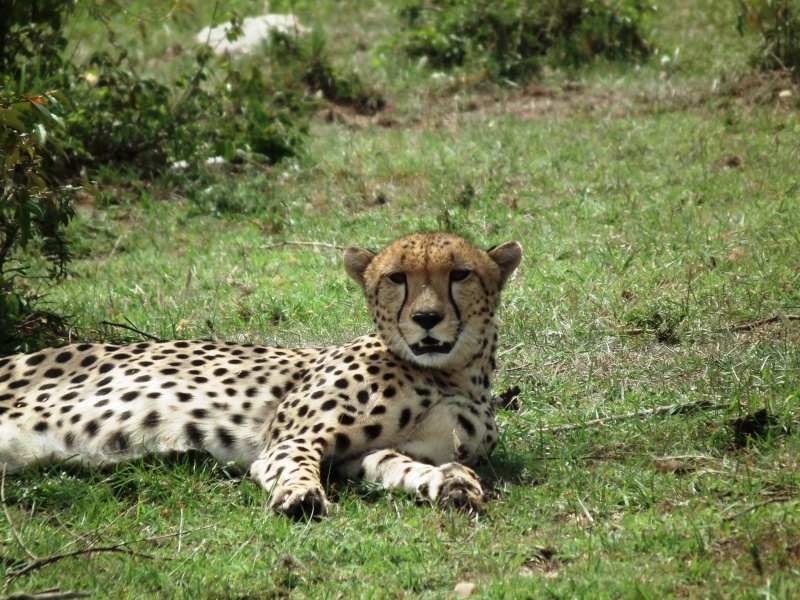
[568, 99]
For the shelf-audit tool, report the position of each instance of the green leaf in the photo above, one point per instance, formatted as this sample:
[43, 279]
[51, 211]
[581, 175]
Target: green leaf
[34, 208]
[59, 98]
[11, 118]
[41, 133]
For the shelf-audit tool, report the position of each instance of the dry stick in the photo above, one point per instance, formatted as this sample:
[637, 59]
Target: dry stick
[30, 554]
[116, 548]
[12, 575]
[46, 595]
[762, 322]
[672, 409]
[296, 243]
[129, 328]
[738, 514]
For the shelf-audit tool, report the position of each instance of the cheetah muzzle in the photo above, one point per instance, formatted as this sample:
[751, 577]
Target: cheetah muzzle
[407, 406]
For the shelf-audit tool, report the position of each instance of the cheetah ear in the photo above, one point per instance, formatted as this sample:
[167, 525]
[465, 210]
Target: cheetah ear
[356, 262]
[507, 257]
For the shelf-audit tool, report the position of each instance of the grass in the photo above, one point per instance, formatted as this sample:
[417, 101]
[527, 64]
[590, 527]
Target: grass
[658, 212]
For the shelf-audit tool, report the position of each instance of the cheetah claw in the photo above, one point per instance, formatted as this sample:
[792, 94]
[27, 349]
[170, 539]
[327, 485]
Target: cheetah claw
[300, 504]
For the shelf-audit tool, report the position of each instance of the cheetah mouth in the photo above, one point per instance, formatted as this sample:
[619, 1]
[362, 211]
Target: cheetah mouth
[429, 345]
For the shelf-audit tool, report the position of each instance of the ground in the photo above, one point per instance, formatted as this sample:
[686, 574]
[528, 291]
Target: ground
[657, 207]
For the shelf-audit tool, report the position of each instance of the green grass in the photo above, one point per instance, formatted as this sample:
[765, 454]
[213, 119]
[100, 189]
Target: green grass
[657, 213]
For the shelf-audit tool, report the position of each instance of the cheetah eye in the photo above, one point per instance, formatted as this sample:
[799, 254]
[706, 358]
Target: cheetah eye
[459, 275]
[399, 278]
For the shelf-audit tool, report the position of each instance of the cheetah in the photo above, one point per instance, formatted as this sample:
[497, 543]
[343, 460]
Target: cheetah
[407, 407]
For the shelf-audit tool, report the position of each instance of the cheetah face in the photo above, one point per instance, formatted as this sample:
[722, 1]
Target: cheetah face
[433, 296]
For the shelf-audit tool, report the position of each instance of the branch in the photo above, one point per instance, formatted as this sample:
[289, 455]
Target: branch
[762, 322]
[43, 562]
[46, 595]
[116, 548]
[779, 498]
[672, 409]
[129, 328]
[298, 243]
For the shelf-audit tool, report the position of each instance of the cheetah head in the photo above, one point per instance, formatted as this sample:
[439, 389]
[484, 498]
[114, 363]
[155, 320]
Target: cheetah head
[434, 296]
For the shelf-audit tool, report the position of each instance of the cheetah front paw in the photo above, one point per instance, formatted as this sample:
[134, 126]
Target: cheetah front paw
[300, 503]
[455, 485]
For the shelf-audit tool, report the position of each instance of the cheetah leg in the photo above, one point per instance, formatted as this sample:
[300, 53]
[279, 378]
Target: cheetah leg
[290, 472]
[450, 484]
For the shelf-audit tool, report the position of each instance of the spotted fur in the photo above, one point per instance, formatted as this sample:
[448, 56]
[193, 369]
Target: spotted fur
[407, 406]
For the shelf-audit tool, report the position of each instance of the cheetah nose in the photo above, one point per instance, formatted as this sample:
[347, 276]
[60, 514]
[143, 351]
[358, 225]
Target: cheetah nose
[427, 320]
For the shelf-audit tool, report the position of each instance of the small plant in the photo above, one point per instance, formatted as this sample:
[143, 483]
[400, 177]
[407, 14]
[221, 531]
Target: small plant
[778, 22]
[32, 204]
[511, 39]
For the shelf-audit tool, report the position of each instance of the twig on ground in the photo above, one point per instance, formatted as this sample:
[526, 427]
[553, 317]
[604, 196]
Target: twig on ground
[43, 562]
[747, 509]
[638, 331]
[17, 537]
[116, 548]
[673, 409]
[46, 595]
[129, 328]
[300, 243]
[762, 322]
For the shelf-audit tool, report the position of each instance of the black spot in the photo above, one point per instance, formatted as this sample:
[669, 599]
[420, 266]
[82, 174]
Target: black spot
[103, 391]
[184, 397]
[302, 411]
[225, 436]
[91, 427]
[151, 420]
[130, 396]
[105, 368]
[281, 455]
[107, 414]
[251, 392]
[105, 381]
[169, 371]
[378, 410]
[405, 417]
[181, 344]
[363, 396]
[231, 392]
[318, 394]
[467, 425]
[238, 419]
[346, 419]
[143, 379]
[41, 426]
[196, 437]
[19, 383]
[54, 373]
[79, 379]
[168, 385]
[373, 370]
[328, 405]
[341, 383]
[220, 372]
[372, 431]
[34, 360]
[342, 443]
[102, 403]
[389, 392]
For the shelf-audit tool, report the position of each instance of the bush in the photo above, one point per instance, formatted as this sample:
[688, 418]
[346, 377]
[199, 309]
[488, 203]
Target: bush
[510, 39]
[778, 22]
[32, 206]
